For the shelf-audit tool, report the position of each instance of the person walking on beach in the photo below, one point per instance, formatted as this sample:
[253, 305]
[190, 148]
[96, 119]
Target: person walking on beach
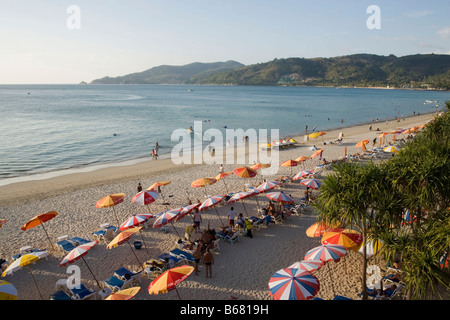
[139, 187]
[208, 261]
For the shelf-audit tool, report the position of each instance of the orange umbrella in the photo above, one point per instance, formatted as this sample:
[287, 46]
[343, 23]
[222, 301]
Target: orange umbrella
[203, 182]
[39, 220]
[222, 175]
[245, 172]
[289, 163]
[347, 238]
[362, 143]
[260, 165]
[317, 153]
[301, 159]
[169, 280]
[317, 229]
[111, 201]
[125, 294]
[123, 237]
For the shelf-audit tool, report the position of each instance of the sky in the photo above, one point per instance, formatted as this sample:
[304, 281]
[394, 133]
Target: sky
[63, 42]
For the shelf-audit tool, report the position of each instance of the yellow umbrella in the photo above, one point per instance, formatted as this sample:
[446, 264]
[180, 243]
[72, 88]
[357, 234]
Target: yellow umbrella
[123, 237]
[21, 262]
[348, 238]
[362, 143]
[314, 135]
[390, 149]
[289, 163]
[125, 294]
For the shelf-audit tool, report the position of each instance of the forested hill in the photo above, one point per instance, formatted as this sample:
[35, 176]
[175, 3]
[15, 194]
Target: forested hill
[430, 71]
[164, 74]
[422, 71]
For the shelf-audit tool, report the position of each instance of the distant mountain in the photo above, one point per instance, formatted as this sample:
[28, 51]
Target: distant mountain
[190, 73]
[428, 71]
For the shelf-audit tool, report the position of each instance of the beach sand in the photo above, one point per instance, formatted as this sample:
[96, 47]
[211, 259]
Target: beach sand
[241, 270]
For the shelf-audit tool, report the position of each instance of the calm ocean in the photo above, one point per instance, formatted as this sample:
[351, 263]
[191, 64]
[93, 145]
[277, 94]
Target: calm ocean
[47, 128]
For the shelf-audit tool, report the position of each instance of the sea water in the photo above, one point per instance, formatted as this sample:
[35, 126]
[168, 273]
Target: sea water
[58, 128]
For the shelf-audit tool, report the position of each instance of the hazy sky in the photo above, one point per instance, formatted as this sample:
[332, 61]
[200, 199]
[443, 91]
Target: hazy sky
[40, 41]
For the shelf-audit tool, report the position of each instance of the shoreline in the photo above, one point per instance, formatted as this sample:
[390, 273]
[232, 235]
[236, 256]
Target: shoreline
[62, 181]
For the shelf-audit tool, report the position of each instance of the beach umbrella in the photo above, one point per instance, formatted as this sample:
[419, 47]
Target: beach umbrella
[317, 153]
[267, 186]
[280, 197]
[21, 262]
[314, 135]
[317, 229]
[301, 159]
[123, 237]
[7, 291]
[203, 182]
[168, 280]
[362, 143]
[302, 174]
[348, 238]
[144, 198]
[240, 196]
[390, 149]
[79, 253]
[40, 220]
[245, 172]
[221, 176]
[135, 221]
[260, 165]
[293, 284]
[2, 222]
[212, 202]
[166, 217]
[289, 163]
[373, 246]
[308, 265]
[157, 185]
[125, 294]
[111, 201]
[326, 252]
[311, 183]
[186, 210]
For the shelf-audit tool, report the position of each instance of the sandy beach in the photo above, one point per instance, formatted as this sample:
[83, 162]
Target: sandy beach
[241, 270]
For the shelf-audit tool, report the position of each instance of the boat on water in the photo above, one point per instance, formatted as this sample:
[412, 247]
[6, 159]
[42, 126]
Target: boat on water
[430, 101]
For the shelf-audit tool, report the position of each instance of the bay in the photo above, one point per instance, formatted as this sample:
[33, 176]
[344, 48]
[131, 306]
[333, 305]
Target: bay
[46, 128]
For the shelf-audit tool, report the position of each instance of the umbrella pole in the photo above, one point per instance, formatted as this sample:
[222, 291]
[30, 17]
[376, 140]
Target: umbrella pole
[37, 287]
[226, 188]
[135, 255]
[42, 224]
[98, 284]
[142, 236]
[246, 212]
[175, 229]
[177, 293]
[114, 210]
[219, 217]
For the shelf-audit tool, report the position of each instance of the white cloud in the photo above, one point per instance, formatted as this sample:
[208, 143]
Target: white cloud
[444, 33]
[418, 13]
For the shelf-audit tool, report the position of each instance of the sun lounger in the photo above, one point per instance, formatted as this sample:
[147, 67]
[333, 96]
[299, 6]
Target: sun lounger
[182, 255]
[106, 233]
[65, 246]
[175, 260]
[83, 293]
[124, 274]
[77, 241]
[25, 250]
[60, 295]
[116, 284]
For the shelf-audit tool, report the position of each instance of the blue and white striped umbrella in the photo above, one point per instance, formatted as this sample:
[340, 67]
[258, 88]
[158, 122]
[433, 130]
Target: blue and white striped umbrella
[312, 183]
[293, 284]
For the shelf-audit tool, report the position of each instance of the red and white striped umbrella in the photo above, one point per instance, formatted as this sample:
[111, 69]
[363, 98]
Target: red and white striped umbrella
[184, 211]
[280, 197]
[211, 202]
[308, 265]
[145, 197]
[302, 174]
[165, 217]
[312, 183]
[135, 221]
[239, 196]
[78, 253]
[293, 284]
[268, 185]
